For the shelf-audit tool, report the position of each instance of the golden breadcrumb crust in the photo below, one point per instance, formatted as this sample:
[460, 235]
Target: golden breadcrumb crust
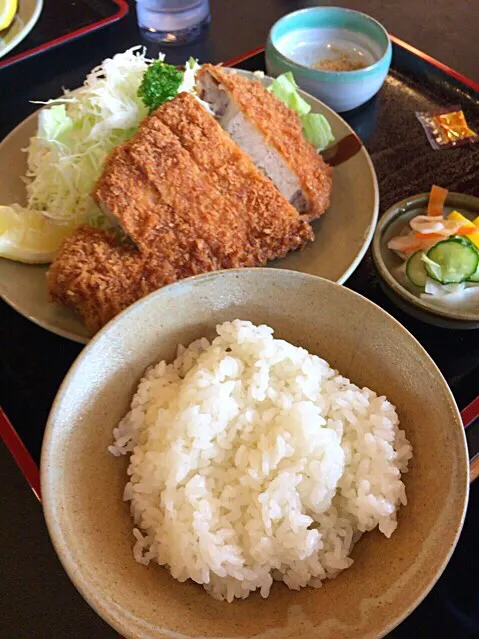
[183, 170]
[92, 274]
[281, 128]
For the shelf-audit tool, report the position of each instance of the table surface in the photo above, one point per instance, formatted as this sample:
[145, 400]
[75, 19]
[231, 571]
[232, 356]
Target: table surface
[34, 587]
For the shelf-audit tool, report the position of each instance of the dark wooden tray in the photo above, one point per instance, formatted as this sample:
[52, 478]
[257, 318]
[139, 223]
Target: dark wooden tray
[33, 361]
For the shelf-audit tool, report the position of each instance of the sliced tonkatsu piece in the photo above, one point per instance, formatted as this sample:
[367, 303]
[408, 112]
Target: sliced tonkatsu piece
[272, 226]
[271, 134]
[98, 276]
[168, 198]
[94, 275]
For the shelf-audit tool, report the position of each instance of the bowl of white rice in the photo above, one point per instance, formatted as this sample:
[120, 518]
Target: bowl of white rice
[254, 453]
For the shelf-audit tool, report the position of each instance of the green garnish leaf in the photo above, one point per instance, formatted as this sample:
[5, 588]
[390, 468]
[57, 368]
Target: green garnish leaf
[285, 88]
[160, 83]
[317, 130]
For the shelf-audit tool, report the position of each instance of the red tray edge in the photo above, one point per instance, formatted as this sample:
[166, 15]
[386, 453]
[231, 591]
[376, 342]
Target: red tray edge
[20, 453]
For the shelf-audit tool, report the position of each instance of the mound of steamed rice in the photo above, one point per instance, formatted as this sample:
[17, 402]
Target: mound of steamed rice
[253, 461]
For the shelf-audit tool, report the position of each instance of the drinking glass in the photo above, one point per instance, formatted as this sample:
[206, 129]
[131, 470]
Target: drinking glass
[173, 21]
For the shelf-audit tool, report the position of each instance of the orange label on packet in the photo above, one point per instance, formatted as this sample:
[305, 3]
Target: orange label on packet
[447, 128]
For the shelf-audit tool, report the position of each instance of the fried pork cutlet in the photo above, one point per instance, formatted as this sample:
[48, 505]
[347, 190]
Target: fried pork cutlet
[272, 134]
[190, 199]
[166, 194]
[98, 276]
[94, 275]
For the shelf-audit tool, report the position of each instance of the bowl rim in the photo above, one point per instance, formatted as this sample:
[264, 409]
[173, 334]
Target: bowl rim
[393, 213]
[334, 76]
[70, 564]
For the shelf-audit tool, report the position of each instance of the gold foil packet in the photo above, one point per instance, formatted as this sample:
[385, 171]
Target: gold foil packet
[447, 128]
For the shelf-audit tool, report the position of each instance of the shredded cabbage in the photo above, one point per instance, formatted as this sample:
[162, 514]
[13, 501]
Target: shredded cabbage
[79, 130]
[53, 123]
[77, 133]
[189, 76]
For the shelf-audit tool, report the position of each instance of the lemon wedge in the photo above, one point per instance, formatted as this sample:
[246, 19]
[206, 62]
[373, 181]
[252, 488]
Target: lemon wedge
[8, 9]
[28, 236]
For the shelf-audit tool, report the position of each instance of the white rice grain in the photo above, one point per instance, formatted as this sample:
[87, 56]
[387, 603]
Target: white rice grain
[252, 460]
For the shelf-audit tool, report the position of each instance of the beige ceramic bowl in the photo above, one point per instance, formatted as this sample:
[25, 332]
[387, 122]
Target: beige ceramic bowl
[82, 483]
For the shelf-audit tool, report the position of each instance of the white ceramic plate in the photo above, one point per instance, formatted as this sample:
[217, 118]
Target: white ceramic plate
[343, 234]
[24, 21]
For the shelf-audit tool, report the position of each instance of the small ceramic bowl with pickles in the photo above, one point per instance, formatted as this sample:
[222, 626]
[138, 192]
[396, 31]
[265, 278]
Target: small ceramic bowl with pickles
[460, 309]
[339, 55]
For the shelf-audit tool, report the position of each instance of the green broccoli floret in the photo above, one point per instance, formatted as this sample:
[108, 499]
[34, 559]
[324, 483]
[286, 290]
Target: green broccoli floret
[160, 83]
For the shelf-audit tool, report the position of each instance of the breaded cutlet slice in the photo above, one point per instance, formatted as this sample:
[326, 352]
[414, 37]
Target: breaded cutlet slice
[98, 276]
[272, 134]
[92, 274]
[169, 201]
[127, 195]
[234, 175]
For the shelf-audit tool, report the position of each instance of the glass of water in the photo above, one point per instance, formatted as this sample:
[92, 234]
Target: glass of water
[173, 21]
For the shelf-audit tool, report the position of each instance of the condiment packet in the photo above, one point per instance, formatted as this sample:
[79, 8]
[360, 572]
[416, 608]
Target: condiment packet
[446, 128]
